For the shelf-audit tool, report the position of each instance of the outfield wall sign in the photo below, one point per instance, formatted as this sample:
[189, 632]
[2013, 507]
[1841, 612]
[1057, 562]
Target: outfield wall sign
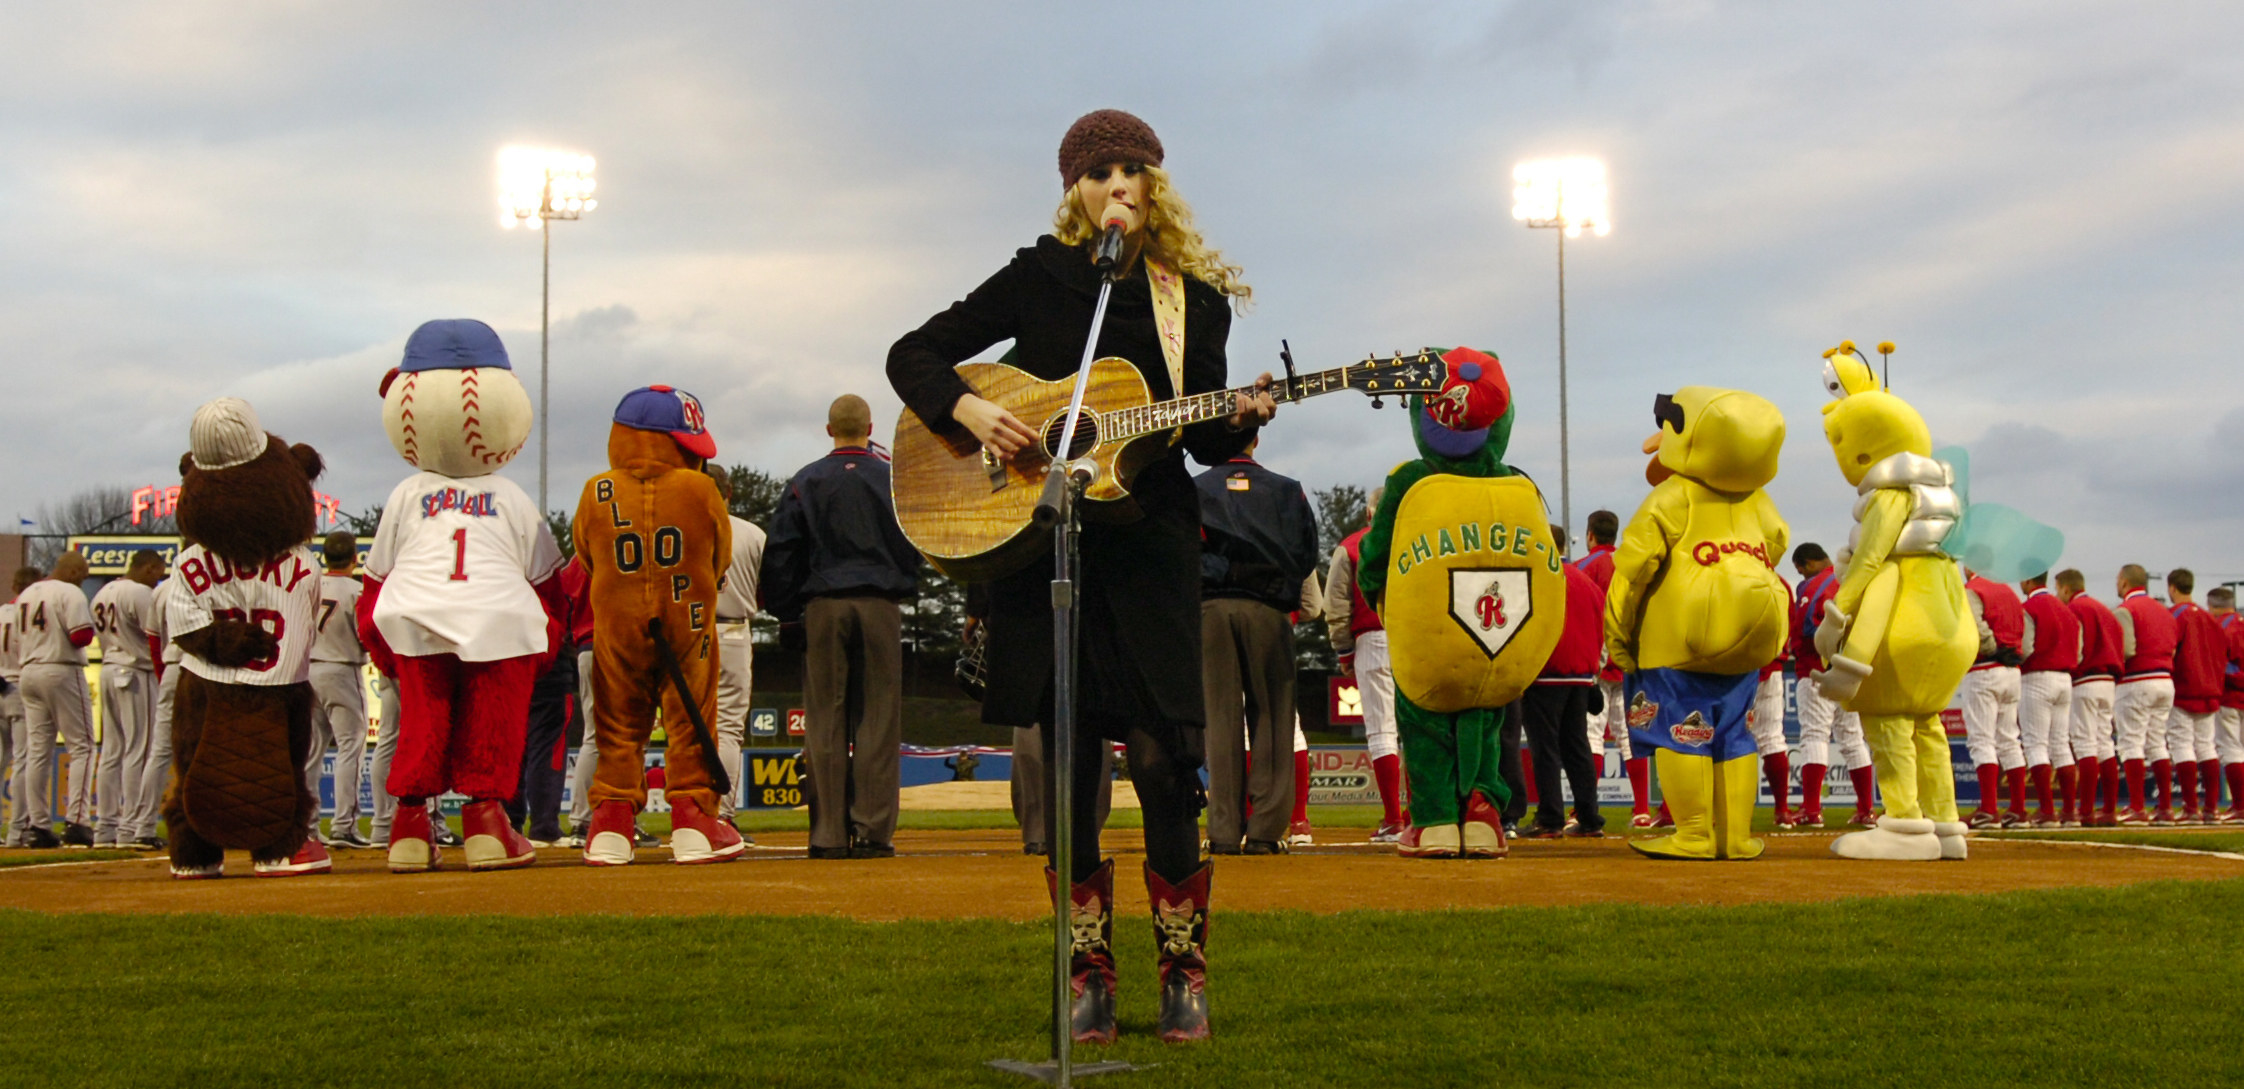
[763, 722]
[1344, 704]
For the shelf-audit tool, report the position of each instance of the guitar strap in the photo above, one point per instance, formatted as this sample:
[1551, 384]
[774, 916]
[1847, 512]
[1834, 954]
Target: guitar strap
[1168, 321]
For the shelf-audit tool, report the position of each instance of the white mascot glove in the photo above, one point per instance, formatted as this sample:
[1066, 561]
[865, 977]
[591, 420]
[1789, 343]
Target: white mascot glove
[1831, 634]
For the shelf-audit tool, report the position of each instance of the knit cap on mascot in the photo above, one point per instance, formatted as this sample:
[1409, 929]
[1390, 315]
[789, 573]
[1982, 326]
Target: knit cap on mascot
[242, 603]
[1471, 590]
[657, 539]
[1696, 610]
[1899, 636]
[461, 586]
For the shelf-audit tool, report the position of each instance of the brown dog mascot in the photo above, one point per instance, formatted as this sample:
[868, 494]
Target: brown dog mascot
[242, 604]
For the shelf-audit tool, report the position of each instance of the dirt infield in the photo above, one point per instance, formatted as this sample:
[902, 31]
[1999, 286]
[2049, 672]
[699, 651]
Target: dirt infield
[954, 874]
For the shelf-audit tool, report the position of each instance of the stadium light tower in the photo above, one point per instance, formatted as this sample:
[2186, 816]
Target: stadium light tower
[545, 185]
[1569, 195]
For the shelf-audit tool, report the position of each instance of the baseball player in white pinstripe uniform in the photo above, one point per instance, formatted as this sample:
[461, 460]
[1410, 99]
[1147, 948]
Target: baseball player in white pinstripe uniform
[54, 624]
[339, 690]
[14, 746]
[736, 660]
[125, 620]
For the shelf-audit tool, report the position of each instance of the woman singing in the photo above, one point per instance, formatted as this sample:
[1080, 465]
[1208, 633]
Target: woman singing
[1139, 671]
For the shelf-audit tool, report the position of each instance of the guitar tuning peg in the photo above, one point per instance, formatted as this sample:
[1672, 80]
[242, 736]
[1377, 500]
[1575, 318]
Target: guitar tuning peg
[1378, 403]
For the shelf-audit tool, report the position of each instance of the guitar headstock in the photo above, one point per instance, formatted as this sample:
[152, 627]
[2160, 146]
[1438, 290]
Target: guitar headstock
[1401, 373]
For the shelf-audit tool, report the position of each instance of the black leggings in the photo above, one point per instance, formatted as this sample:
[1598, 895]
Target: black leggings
[1168, 793]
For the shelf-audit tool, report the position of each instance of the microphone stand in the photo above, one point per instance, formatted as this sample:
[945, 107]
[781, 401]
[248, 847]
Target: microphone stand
[1064, 482]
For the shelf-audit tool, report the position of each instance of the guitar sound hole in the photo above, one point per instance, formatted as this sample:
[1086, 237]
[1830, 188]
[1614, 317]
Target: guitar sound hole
[1086, 435]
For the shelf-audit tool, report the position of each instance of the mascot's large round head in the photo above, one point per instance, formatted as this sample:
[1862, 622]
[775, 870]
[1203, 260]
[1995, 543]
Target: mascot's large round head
[1725, 439]
[1472, 412]
[1864, 423]
[454, 406]
[244, 494]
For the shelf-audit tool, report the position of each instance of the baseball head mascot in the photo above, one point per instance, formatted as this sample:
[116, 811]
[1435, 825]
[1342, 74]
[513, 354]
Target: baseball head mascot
[1470, 587]
[1696, 610]
[460, 587]
[243, 603]
[657, 538]
[1899, 636]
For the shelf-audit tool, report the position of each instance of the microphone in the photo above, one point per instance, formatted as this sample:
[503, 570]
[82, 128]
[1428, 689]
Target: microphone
[1116, 218]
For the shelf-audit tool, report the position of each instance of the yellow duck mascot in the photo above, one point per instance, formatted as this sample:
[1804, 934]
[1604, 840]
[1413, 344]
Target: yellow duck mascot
[1899, 636]
[1696, 609]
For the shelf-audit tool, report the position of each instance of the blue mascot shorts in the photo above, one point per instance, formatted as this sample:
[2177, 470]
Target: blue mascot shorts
[1703, 714]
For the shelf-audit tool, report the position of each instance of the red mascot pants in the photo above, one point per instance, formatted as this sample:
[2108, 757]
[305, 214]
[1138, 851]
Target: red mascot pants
[460, 726]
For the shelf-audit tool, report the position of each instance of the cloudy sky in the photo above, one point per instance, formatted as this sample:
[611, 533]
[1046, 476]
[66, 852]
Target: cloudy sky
[2043, 203]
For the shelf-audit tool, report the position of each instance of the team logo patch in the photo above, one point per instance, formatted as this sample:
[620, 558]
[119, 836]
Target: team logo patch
[1693, 730]
[1641, 712]
[689, 408]
[1490, 604]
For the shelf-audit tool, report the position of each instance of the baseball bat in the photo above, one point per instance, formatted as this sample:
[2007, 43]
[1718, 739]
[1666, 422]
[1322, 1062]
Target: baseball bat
[718, 780]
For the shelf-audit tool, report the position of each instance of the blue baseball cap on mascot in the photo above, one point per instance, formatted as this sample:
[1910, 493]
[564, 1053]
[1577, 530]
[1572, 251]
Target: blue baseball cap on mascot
[661, 408]
[1474, 395]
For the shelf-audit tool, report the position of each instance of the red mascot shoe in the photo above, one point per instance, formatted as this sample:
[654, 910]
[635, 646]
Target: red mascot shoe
[696, 837]
[310, 858]
[492, 842]
[412, 850]
[1437, 841]
[613, 829]
[1483, 829]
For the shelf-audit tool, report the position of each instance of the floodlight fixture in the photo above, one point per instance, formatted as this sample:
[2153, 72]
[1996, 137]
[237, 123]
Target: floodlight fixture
[1568, 195]
[543, 185]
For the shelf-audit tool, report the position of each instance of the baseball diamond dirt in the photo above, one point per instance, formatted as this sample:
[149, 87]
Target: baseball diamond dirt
[948, 874]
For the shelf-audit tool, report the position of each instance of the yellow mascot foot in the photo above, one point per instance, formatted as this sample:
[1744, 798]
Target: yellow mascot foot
[1739, 783]
[1687, 786]
[1893, 840]
[1951, 833]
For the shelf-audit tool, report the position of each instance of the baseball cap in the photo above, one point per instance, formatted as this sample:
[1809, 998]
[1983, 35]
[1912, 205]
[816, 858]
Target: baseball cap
[1473, 396]
[661, 408]
[451, 344]
[224, 433]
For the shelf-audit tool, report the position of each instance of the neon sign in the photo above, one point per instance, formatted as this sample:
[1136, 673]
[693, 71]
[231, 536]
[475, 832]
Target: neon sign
[158, 501]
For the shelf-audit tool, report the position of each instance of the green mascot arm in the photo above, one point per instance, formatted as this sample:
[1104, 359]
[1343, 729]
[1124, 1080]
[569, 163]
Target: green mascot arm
[1637, 563]
[1882, 523]
[1371, 552]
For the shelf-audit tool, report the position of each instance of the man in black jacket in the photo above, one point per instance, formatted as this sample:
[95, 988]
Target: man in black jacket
[1259, 544]
[836, 563]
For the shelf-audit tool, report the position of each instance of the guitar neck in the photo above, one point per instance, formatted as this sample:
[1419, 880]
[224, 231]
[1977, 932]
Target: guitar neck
[1130, 423]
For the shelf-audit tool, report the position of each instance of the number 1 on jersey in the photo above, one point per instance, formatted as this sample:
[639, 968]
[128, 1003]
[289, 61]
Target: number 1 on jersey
[460, 554]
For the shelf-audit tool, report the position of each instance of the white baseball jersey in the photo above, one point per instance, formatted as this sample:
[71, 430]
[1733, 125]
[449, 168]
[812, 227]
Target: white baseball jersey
[46, 613]
[11, 662]
[124, 613]
[457, 557]
[281, 597]
[338, 621]
[172, 653]
[737, 599]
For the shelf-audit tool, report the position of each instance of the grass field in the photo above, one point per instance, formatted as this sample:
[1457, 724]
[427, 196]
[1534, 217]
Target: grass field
[2072, 987]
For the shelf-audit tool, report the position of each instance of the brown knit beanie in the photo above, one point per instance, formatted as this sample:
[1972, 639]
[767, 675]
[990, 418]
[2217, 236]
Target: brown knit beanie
[1106, 136]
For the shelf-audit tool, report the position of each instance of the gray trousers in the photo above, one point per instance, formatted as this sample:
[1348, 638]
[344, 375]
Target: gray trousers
[588, 752]
[385, 749]
[1246, 654]
[736, 665]
[338, 719]
[853, 718]
[128, 713]
[55, 702]
[14, 757]
[1032, 783]
[155, 779]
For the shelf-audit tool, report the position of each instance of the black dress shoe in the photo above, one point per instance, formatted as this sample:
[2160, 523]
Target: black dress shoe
[1223, 848]
[829, 852]
[1034, 849]
[1263, 847]
[873, 850]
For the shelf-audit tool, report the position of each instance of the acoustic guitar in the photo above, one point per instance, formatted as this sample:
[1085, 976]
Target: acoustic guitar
[969, 511]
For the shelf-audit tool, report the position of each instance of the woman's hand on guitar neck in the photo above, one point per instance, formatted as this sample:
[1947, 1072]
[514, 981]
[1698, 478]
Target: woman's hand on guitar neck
[998, 430]
[1256, 410]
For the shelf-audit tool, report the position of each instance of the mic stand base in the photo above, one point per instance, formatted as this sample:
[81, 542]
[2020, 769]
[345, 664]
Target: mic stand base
[1048, 1071]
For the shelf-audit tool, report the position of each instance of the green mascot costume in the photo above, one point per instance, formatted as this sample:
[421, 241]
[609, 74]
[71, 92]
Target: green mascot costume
[1471, 589]
[1696, 609]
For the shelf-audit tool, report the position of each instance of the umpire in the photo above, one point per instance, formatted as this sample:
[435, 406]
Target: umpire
[837, 564]
[1259, 544]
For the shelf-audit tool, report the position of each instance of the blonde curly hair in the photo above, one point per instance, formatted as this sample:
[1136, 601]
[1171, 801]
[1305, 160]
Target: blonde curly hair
[1169, 235]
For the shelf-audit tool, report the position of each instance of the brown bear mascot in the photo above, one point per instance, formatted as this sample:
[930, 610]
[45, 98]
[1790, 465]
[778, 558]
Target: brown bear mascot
[243, 604]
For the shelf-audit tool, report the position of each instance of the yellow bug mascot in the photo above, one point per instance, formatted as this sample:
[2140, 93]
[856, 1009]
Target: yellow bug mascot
[1899, 636]
[1696, 609]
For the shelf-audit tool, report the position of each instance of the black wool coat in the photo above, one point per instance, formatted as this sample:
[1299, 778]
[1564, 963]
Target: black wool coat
[1140, 620]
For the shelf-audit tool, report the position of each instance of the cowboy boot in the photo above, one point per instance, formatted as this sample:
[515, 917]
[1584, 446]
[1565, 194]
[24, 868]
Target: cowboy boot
[1180, 931]
[1091, 958]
